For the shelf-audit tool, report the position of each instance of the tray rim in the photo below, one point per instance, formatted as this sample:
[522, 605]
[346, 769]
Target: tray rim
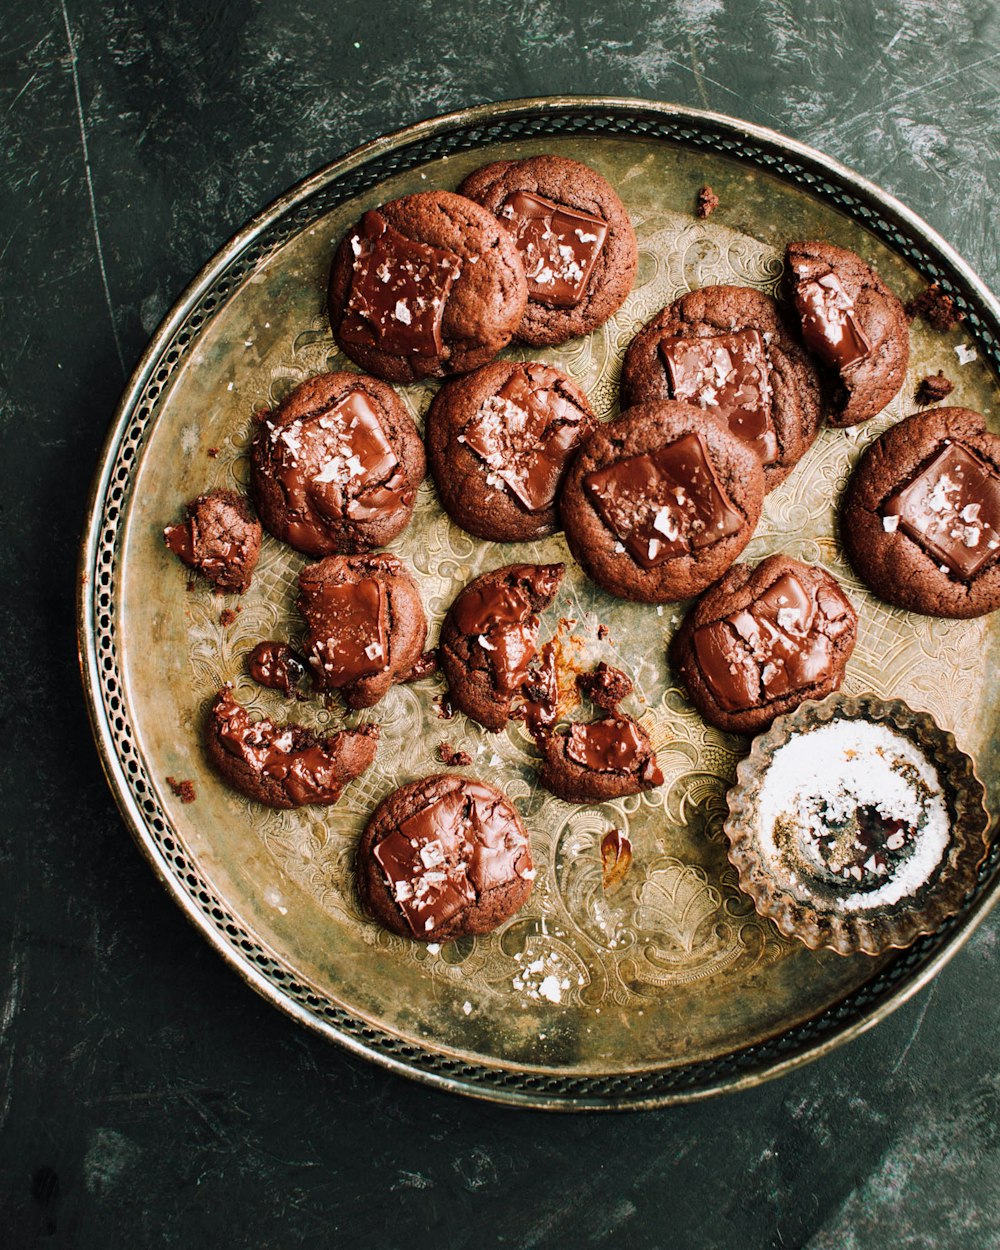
[86, 605]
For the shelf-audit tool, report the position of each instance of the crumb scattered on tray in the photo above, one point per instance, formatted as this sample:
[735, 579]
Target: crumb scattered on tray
[454, 759]
[183, 789]
[935, 307]
[934, 388]
[708, 202]
[228, 615]
[213, 452]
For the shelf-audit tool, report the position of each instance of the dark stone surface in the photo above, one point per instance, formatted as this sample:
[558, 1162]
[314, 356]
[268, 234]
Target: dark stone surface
[146, 1097]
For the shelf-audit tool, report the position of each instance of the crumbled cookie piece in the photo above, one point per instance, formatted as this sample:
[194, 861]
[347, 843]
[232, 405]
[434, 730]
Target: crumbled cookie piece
[708, 202]
[934, 388]
[454, 759]
[606, 686]
[183, 789]
[935, 307]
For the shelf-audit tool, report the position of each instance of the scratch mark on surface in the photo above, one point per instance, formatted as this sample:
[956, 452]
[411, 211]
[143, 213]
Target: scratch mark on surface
[916, 1029]
[698, 76]
[22, 91]
[90, 185]
[10, 1007]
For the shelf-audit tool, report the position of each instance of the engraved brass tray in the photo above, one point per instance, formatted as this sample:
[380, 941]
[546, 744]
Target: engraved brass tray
[671, 988]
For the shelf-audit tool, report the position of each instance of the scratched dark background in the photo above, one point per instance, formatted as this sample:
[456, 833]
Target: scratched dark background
[146, 1097]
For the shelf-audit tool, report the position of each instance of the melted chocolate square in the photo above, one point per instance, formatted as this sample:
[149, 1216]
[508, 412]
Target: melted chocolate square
[398, 290]
[559, 246]
[781, 643]
[606, 746]
[952, 510]
[526, 433]
[829, 327]
[726, 374]
[502, 620]
[665, 503]
[350, 623]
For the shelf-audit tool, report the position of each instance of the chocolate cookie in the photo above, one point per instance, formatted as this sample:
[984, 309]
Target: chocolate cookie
[499, 442]
[366, 624]
[490, 636]
[424, 286]
[600, 760]
[920, 520]
[575, 238]
[727, 349]
[444, 857]
[659, 503]
[335, 468]
[220, 539]
[284, 765]
[852, 324]
[763, 640]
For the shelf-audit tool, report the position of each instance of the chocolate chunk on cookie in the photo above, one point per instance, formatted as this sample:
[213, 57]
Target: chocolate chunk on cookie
[920, 520]
[499, 442]
[335, 468]
[366, 622]
[276, 666]
[220, 539]
[728, 350]
[489, 638]
[659, 503]
[574, 236]
[762, 640]
[444, 857]
[424, 286]
[284, 765]
[598, 760]
[852, 325]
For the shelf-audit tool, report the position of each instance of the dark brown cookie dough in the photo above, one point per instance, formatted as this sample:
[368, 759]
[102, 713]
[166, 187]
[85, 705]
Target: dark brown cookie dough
[852, 325]
[335, 468]
[920, 520]
[598, 760]
[728, 350]
[366, 625]
[605, 687]
[659, 503]
[490, 636]
[220, 539]
[763, 640]
[283, 765]
[444, 857]
[577, 243]
[499, 442]
[424, 286]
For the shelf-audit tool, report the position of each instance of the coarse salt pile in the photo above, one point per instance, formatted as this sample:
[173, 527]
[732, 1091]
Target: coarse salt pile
[822, 778]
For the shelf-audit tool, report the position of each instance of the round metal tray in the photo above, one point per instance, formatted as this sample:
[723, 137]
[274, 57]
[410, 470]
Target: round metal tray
[672, 988]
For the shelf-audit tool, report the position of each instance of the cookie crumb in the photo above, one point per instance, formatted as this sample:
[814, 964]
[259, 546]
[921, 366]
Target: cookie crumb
[934, 388]
[708, 202]
[935, 307]
[454, 759]
[213, 452]
[603, 632]
[228, 615]
[606, 686]
[183, 789]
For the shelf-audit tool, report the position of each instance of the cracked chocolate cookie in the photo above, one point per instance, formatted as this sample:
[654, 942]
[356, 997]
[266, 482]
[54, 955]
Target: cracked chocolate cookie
[762, 641]
[598, 760]
[283, 765]
[490, 637]
[499, 442]
[444, 857]
[852, 325]
[727, 349]
[335, 468]
[424, 286]
[920, 520]
[659, 503]
[220, 539]
[366, 625]
[574, 236]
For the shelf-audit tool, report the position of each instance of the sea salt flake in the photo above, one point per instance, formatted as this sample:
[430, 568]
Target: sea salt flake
[550, 989]
[966, 354]
[890, 524]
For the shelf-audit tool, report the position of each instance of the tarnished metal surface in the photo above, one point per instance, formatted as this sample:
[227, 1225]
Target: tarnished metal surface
[673, 986]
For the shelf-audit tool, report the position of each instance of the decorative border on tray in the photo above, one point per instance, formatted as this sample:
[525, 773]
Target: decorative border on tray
[299, 208]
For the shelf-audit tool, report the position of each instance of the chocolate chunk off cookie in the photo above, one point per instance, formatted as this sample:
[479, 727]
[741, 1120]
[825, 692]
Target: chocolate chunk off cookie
[575, 238]
[499, 442]
[921, 515]
[442, 858]
[490, 637]
[220, 539]
[852, 325]
[659, 503]
[366, 624]
[336, 467]
[599, 760]
[284, 765]
[726, 349]
[763, 640]
[425, 286]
